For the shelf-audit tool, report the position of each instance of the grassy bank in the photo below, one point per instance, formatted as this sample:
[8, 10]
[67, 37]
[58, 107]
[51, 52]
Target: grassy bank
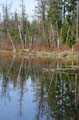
[50, 54]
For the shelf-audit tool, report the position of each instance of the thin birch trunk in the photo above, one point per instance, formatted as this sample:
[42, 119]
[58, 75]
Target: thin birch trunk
[11, 42]
[20, 36]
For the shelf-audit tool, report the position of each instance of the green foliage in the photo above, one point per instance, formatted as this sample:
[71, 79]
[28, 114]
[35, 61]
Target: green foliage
[70, 41]
[64, 30]
[55, 12]
[52, 12]
[68, 33]
[14, 27]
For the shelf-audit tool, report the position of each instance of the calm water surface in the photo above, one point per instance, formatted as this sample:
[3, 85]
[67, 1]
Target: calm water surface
[35, 89]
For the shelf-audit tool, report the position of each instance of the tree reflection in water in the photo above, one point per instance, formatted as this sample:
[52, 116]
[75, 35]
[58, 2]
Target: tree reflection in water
[55, 94]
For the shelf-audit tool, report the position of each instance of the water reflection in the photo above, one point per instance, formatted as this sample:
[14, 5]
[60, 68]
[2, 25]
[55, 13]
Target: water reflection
[32, 89]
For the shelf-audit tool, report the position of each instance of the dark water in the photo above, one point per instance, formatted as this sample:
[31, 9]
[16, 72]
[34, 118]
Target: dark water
[32, 89]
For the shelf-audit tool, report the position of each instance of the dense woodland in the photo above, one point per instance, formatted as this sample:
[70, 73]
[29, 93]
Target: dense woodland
[56, 22]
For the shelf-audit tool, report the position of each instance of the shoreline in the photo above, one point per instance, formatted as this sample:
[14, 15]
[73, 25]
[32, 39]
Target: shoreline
[49, 54]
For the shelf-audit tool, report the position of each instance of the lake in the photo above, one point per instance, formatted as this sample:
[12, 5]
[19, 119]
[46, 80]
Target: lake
[38, 89]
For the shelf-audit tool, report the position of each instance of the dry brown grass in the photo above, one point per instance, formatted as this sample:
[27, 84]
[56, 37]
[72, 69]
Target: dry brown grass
[41, 48]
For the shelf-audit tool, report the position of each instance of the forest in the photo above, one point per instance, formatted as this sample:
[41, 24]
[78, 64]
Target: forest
[55, 25]
[39, 60]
